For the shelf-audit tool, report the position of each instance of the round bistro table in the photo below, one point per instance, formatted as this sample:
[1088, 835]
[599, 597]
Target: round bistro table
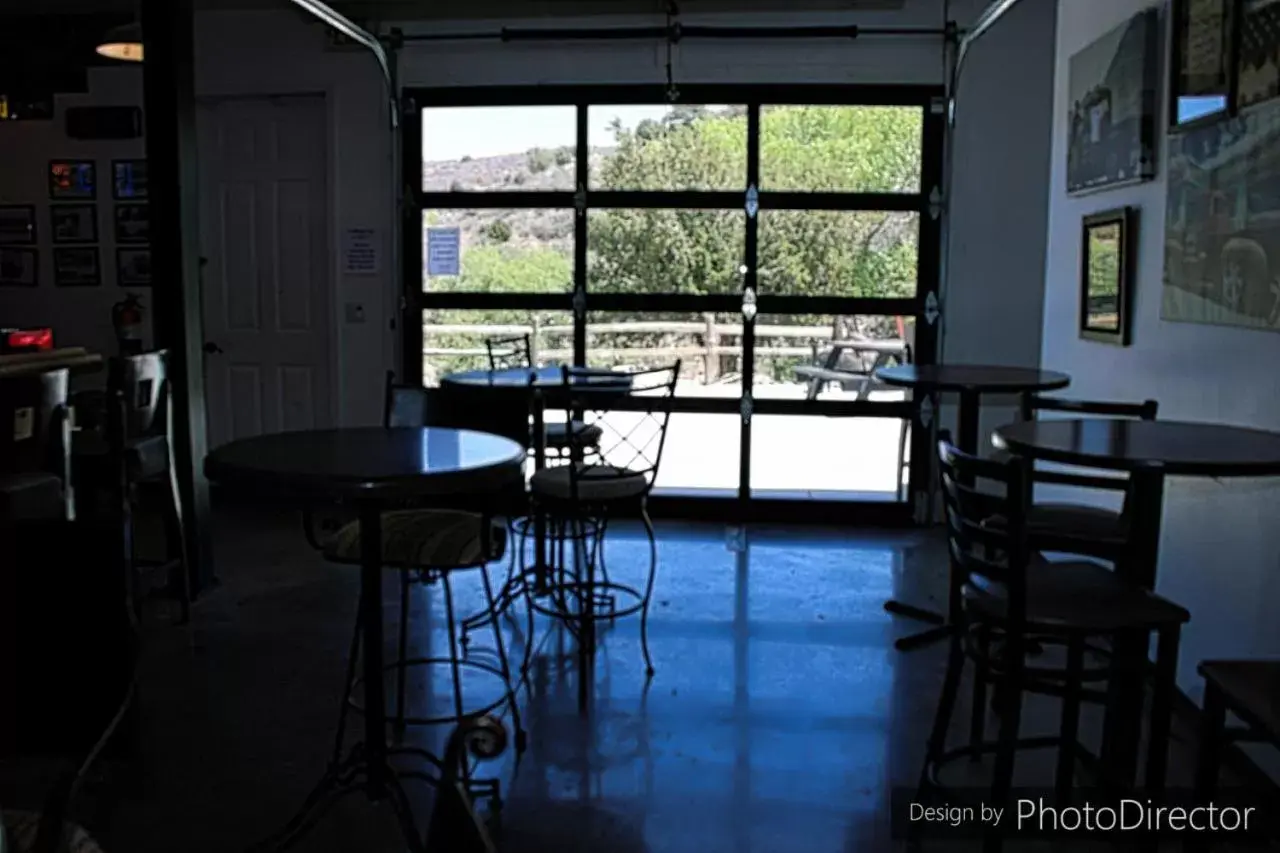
[369, 469]
[970, 382]
[1149, 451]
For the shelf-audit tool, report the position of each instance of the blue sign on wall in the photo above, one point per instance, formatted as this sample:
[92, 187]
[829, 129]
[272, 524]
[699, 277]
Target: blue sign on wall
[444, 251]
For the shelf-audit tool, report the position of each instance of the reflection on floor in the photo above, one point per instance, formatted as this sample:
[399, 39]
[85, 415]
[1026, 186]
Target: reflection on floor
[779, 719]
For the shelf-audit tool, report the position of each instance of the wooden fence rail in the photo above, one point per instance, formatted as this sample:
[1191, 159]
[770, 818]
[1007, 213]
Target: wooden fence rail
[710, 350]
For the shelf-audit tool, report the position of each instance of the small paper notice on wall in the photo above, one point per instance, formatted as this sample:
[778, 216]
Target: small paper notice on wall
[360, 251]
[444, 251]
[24, 423]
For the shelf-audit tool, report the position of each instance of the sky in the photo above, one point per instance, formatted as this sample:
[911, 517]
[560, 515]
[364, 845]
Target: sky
[450, 133]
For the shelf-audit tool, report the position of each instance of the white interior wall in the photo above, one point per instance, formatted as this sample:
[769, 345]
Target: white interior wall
[81, 315]
[1220, 552]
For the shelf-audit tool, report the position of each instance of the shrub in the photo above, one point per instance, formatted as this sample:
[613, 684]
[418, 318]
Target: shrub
[498, 231]
[540, 159]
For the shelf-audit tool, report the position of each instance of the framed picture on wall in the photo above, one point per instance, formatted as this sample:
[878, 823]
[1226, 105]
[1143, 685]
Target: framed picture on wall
[1203, 61]
[1106, 275]
[133, 267]
[72, 179]
[133, 223]
[76, 267]
[128, 179]
[1112, 120]
[17, 224]
[1258, 53]
[19, 267]
[74, 223]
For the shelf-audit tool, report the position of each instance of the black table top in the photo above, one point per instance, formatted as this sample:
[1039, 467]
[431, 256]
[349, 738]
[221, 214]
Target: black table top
[1169, 447]
[370, 462]
[983, 378]
[582, 378]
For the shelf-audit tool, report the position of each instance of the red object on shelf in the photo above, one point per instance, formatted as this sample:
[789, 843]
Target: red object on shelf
[27, 340]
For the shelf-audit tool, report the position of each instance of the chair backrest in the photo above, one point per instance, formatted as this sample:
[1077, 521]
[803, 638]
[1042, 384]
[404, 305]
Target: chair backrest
[143, 380]
[511, 352]
[410, 405]
[974, 491]
[35, 424]
[1030, 405]
[634, 432]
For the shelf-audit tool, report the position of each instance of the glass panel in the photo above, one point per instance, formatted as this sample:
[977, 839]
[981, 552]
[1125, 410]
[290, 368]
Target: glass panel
[454, 340]
[864, 253]
[668, 147]
[701, 455]
[851, 458]
[665, 251]
[841, 149]
[522, 250]
[499, 148]
[709, 347]
[825, 357]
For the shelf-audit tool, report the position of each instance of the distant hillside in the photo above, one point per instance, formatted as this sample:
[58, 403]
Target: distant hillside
[542, 169]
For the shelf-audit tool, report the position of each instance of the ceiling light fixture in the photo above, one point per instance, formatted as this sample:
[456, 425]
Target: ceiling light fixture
[122, 43]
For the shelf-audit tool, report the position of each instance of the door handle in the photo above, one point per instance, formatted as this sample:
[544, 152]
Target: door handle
[211, 348]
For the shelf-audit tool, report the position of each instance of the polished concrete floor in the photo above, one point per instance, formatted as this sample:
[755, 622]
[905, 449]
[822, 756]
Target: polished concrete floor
[779, 719]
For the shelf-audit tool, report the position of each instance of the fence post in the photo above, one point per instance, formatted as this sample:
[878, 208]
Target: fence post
[710, 343]
[535, 337]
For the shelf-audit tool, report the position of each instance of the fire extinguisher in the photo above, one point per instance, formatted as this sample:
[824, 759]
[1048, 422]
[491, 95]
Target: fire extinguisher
[127, 316]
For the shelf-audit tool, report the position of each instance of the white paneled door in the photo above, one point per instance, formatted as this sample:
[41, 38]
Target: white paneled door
[264, 214]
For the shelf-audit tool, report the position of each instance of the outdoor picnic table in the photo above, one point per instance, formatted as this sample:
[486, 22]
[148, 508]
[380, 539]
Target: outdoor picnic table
[886, 353]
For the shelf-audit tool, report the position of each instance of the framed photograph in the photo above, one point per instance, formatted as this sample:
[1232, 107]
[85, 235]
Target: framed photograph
[17, 224]
[128, 179]
[1203, 61]
[1112, 119]
[133, 223]
[1106, 275]
[19, 267]
[1222, 223]
[70, 180]
[76, 267]
[1258, 53]
[133, 267]
[74, 223]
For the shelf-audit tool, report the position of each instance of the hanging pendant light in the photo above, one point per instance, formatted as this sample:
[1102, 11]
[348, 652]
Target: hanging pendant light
[122, 43]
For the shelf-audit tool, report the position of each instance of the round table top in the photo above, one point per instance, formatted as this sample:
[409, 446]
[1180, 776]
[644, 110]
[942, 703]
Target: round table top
[582, 378]
[987, 378]
[379, 462]
[1168, 447]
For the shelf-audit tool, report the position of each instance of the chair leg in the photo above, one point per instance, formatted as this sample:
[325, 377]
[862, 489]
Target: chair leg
[1213, 726]
[937, 743]
[648, 588]
[1010, 723]
[587, 615]
[1162, 707]
[352, 655]
[403, 648]
[501, 647]
[1069, 729]
[978, 707]
[176, 534]
[455, 660]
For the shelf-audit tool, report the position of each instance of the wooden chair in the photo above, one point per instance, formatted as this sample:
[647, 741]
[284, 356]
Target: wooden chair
[35, 439]
[1246, 689]
[999, 589]
[1079, 528]
[144, 447]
